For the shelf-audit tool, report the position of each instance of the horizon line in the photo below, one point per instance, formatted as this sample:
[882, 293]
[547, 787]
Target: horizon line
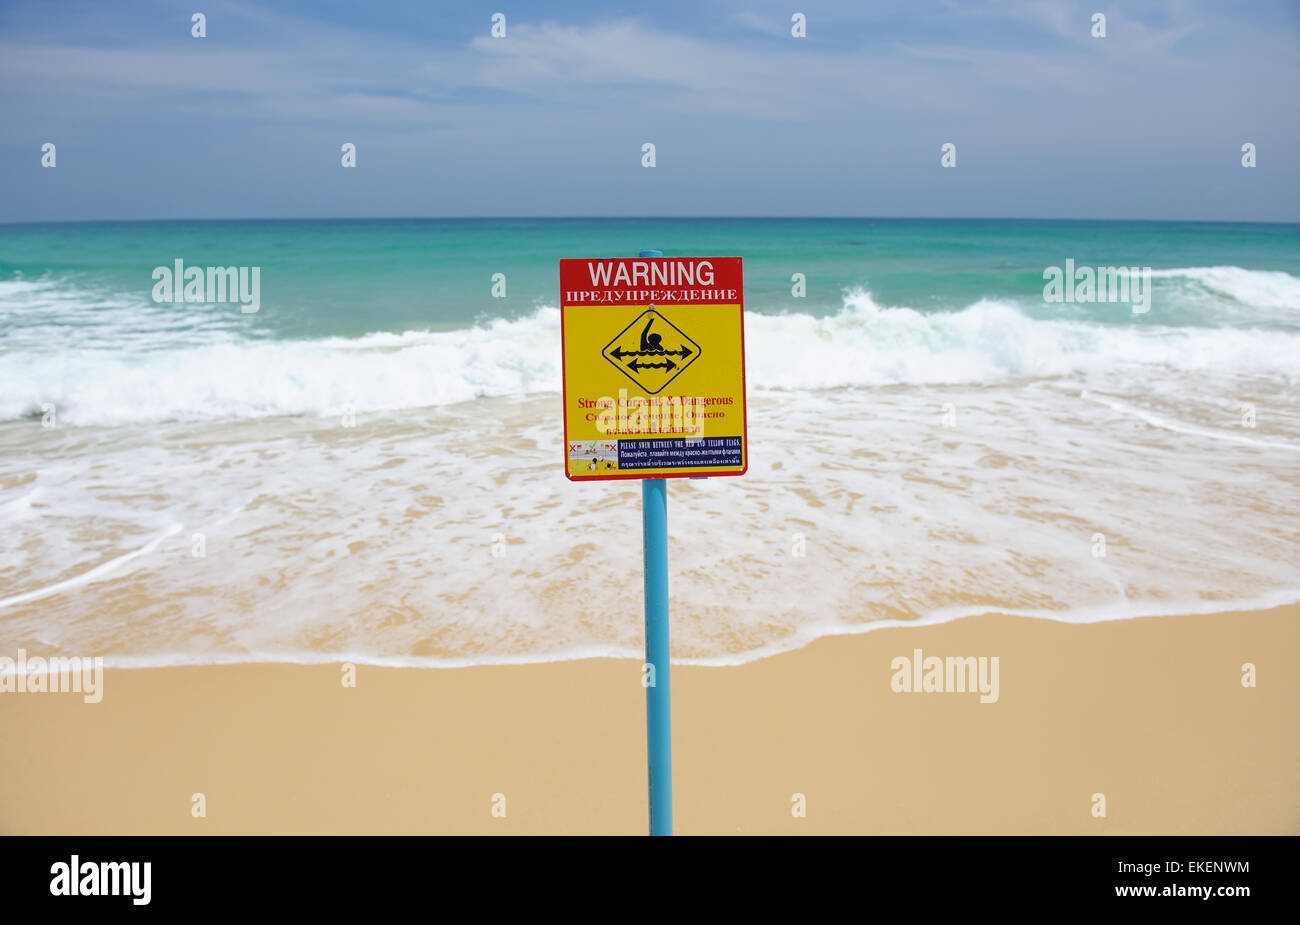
[659, 218]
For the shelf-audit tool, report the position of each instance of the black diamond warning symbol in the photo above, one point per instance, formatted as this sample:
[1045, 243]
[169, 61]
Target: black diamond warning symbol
[651, 351]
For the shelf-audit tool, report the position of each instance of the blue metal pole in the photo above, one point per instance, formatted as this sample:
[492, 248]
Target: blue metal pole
[658, 699]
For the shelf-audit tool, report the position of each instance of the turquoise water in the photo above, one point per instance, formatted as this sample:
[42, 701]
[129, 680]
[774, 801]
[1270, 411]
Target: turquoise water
[373, 461]
[347, 278]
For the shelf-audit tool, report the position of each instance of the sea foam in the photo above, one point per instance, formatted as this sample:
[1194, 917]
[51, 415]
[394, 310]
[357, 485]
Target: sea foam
[101, 361]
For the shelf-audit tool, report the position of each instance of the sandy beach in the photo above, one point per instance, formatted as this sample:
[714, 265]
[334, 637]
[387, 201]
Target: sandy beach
[371, 414]
[1150, 712]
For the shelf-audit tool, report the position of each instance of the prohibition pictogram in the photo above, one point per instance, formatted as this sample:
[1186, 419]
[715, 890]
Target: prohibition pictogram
[651, 351]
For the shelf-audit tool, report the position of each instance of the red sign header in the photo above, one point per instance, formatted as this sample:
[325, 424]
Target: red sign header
[651, 280]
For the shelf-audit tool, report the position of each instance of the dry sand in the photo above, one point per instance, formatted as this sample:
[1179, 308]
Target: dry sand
[1150, 712]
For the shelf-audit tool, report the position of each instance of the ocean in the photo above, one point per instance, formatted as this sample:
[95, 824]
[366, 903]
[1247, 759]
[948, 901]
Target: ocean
[370, 466]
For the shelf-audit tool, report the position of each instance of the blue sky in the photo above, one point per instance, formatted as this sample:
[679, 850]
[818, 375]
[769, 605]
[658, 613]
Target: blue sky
[1146, 123]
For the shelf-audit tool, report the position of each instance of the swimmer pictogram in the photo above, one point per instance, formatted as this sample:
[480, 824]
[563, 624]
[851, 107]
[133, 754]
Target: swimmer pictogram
[651, 351]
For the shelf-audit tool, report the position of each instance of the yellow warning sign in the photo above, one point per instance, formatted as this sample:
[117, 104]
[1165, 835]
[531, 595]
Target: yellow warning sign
[654, 367]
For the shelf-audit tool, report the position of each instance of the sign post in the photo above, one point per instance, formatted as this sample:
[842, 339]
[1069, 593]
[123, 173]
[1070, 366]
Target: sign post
[630, 330]
[658, 696]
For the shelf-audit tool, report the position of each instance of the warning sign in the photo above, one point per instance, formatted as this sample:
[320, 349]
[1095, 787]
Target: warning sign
[654, 367]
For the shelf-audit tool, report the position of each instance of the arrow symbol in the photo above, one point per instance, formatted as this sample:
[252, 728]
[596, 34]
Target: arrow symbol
[665, 365]
[619, 353]
[644, 345]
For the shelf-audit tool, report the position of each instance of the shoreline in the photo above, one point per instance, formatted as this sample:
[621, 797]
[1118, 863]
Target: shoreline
[1278, 601]
[1149, 711]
